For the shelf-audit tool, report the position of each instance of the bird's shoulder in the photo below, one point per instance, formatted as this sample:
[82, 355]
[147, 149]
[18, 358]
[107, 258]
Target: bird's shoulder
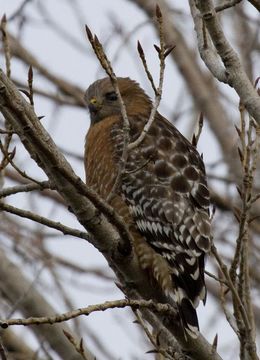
[166, 157]
[165, 176]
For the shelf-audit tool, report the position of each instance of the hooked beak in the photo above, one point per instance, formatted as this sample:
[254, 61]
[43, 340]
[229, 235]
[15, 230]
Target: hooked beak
[94, 105]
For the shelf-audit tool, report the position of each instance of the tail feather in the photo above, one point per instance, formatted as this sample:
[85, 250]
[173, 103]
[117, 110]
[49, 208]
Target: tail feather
[188, 290]
[189, 319]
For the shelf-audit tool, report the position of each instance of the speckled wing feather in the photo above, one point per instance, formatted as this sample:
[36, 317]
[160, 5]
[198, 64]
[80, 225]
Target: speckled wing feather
[165, 188]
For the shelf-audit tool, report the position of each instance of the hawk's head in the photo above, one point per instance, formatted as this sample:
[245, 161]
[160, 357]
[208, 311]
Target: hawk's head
[103, 101]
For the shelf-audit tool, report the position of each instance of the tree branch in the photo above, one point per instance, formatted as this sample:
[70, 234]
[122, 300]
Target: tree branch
[44, 221]
[24, 188]
[255, 3]
[116, 304]
[236, 76]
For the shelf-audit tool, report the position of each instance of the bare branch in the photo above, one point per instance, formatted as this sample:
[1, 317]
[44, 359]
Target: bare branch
[143, 58]
[206, 49]
[158, 91]
[227, 5]
[24, 188]
[255, 3]
[153, 339]
[19, 10]
[78, 346]
[30, 84]
[239, 305]
[44, 221]
[3, 354]
[9, 159]
[236, 76]
[6, 46]
[136, 304]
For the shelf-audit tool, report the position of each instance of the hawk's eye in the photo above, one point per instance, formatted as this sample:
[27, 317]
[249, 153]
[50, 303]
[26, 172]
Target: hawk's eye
[112, 96]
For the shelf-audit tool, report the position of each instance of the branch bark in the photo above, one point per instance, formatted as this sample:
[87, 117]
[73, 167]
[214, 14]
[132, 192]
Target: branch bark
[235, 75]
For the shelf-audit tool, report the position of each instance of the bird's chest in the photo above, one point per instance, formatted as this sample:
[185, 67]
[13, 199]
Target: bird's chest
[101, 163]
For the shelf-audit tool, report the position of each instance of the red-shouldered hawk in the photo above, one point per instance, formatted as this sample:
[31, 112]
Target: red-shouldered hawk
[163, 194]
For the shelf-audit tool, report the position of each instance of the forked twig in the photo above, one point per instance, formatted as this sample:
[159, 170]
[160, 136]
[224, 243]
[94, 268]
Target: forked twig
[163, 52]
[9, 159]
[44, 221]
[151, 337]
[78, 346]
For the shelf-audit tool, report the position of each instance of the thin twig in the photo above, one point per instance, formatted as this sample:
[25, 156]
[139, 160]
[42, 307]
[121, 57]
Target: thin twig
[18, 301]
[6, 46]
[234, 292]
[248, 156]
[148, 74]
[6, 132]
[136, 304]
[59, 98]
[221, 281]
[227, 5]
[78, 346]
[19, 10]
[44, 221]
[162, 52]
[3, 354]
[30, 84]
[24, 188]
[151, 337]
[242, 153]
[228, 315]
[9, 158]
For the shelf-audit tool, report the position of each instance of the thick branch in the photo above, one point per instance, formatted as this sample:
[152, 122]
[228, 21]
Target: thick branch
[206, 50]
[236, 76]
[255, 3]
